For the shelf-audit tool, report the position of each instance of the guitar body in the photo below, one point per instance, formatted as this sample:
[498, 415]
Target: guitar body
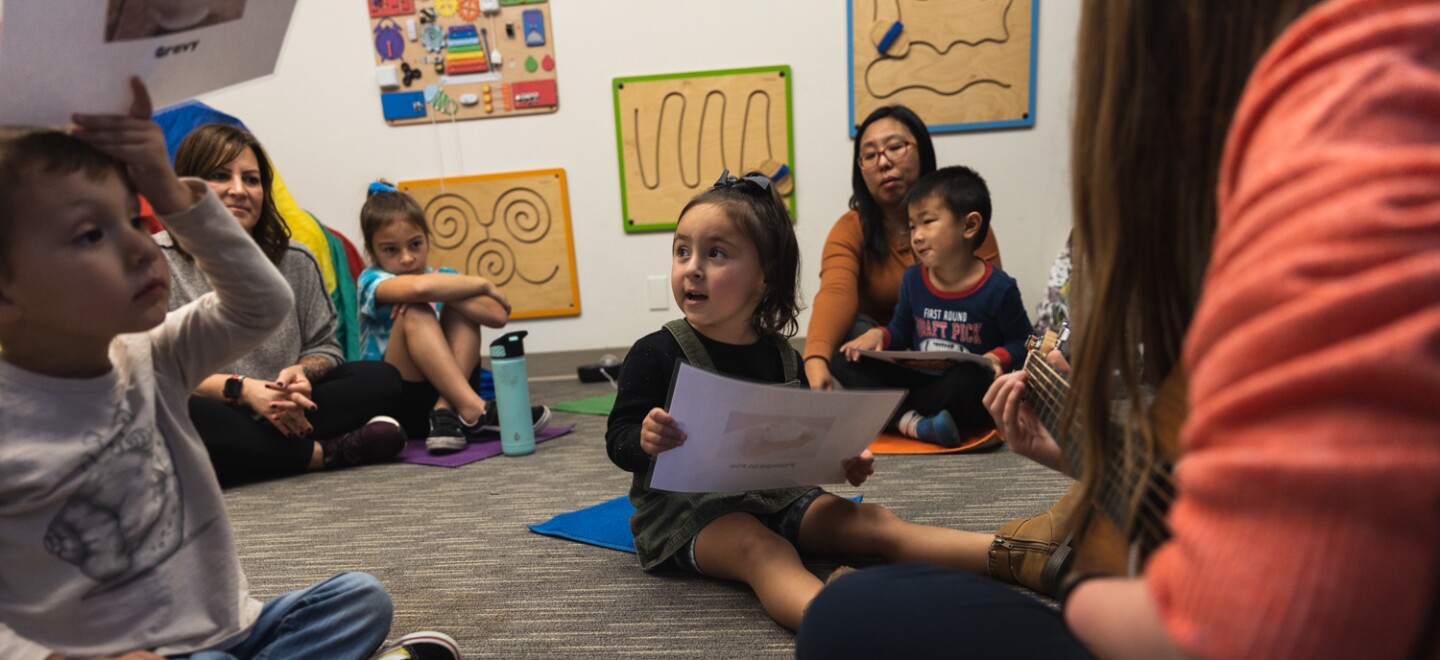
[1125, 520]
[1100, 548]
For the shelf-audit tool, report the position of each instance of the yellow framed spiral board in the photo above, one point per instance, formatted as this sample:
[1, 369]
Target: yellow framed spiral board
[511, 228]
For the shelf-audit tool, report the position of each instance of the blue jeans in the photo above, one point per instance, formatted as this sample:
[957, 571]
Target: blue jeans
[346, 616]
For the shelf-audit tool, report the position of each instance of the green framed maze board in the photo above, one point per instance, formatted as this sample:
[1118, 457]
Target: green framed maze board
[675, 133]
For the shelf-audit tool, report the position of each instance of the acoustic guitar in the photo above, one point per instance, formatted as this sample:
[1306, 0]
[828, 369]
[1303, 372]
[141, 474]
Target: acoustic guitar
[1125, 519]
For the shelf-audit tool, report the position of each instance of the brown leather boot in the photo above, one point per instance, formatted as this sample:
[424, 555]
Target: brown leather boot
[1035, 552]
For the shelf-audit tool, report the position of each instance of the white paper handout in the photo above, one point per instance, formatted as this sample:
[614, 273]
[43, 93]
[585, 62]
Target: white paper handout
[742, 435]
[928, 360]
[59, 58]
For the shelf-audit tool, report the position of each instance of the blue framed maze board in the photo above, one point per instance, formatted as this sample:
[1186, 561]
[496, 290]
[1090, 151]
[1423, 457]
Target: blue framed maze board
[961, 65]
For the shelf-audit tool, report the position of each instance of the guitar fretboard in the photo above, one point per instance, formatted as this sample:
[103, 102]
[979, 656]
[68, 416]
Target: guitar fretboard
[1135, 495]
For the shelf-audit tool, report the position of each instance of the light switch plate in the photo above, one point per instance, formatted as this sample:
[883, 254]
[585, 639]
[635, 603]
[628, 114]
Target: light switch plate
[659, 288]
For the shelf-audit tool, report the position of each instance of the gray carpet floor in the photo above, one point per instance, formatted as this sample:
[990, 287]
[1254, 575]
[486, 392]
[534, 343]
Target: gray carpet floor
[452, 546]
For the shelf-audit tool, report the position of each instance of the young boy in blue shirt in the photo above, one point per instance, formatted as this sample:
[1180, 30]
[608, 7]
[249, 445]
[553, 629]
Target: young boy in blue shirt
[950, 301]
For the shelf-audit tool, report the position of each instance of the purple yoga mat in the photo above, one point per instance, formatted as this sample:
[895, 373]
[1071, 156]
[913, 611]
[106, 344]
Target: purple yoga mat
[486, 445]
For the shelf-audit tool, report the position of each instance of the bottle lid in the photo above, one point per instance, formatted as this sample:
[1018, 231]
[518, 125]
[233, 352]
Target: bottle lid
[509, 345]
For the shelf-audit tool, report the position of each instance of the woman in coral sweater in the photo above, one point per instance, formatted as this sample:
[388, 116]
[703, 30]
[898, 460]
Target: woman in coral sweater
[1304, 522]
[869, 247]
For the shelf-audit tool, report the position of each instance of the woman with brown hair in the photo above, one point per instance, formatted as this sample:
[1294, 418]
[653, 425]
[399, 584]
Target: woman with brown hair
[293, 404]
[1277, 249]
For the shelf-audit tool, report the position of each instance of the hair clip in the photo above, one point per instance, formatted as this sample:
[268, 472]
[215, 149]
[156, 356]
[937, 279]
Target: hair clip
[379, 187]
[727, 181]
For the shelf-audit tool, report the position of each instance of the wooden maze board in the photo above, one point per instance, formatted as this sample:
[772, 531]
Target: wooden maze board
[959, 64]
[676, 133]
[512, 229]
[433, 59]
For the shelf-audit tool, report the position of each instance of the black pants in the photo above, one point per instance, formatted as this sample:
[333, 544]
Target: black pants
[924, 611]
[959, 389]
[418, 399]
[961, 392]
[244, 448]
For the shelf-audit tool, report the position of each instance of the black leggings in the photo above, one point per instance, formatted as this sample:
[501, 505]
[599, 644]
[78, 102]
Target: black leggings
[959, 389]
[245, 448]
[924, 611]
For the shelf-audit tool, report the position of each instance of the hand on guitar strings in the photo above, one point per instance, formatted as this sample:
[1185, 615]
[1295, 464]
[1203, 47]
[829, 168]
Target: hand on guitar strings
[1016, 420]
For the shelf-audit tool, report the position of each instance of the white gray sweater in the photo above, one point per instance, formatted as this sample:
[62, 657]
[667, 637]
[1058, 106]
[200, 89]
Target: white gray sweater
[113, 531]
[308, 329]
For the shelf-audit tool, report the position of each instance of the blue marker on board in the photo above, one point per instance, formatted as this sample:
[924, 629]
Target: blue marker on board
[890, 36]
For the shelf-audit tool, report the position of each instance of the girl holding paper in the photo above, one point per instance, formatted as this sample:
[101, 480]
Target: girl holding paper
[734, 269]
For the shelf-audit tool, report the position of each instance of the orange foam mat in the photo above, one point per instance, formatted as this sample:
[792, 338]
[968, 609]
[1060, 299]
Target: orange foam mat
[889, 443]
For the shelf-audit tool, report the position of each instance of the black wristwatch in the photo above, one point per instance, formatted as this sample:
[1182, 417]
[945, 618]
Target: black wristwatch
[234, 387]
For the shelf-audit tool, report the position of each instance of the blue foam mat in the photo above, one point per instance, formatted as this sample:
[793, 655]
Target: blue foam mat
[606, 524]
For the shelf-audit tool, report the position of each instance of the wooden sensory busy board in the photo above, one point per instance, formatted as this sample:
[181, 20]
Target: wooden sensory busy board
[442, 60]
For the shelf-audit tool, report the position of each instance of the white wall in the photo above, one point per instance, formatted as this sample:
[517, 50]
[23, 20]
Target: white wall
[319, 116]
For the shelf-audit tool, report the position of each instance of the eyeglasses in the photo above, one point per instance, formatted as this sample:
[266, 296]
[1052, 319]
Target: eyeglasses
[893, 152]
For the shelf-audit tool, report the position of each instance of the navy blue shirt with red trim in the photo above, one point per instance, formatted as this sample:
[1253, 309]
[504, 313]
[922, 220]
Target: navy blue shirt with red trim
[986, 317]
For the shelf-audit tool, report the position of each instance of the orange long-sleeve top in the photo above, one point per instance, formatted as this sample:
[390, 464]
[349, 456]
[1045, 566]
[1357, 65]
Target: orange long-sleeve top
[852, 281]
[1307, 521]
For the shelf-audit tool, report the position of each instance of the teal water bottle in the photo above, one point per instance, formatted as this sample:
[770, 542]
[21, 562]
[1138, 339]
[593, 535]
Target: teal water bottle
[512, 394]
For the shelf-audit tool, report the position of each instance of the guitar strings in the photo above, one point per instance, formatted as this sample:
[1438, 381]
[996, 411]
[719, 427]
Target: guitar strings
[1147, 502]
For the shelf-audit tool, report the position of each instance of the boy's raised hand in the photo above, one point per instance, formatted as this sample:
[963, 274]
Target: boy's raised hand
[859, 468]
[659, 432]
[136, 140]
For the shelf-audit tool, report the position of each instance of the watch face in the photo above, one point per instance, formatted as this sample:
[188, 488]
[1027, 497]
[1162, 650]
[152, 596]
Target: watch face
[233, 388]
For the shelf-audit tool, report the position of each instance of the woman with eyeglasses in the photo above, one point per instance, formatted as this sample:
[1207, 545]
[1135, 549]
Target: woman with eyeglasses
[869, 247]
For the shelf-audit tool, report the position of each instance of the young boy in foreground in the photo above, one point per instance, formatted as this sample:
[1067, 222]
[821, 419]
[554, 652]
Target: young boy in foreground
[114, 539]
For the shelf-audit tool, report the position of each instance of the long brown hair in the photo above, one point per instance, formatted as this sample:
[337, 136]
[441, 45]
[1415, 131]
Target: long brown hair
[211, 146]
[1157, 84]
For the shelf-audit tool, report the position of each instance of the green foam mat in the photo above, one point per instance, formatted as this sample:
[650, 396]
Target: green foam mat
[599, 404]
